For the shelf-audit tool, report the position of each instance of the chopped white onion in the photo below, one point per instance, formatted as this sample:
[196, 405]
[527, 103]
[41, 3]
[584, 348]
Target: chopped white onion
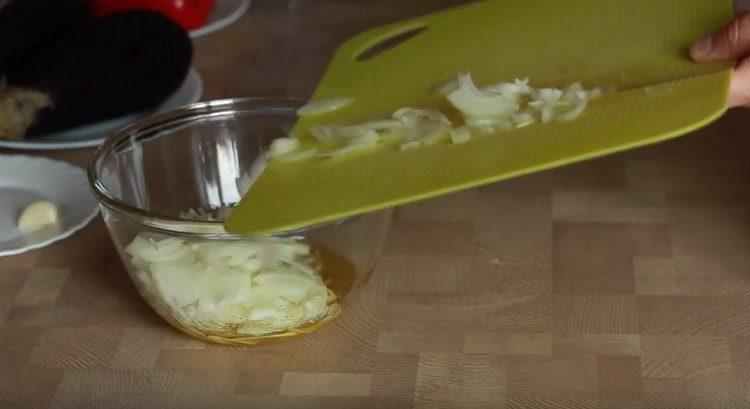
[413, 117]
[573, 113]
[485, 129]
[367, 141]
[514, 90]
[480, 104]
[323, 133]
[444, 88]
[549, 96]
[429, 133]
[250, 287]
[522, 119]
[460, 134]
[410, 145]
[500, 122]
[502, 106]
[283, 146]
[249, 178]
[356, 131]
[324, 106]
[300, 155]
[595, 93]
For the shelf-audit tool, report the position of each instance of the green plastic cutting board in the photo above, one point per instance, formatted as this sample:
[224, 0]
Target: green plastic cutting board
[639, 46]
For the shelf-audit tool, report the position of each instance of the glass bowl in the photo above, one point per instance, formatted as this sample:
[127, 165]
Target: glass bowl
[164, 186]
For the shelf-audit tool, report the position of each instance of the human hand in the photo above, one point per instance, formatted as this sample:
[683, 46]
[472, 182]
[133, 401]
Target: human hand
[730, 42]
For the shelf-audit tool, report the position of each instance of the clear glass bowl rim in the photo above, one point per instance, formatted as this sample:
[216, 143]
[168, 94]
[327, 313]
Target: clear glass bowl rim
[145, 128]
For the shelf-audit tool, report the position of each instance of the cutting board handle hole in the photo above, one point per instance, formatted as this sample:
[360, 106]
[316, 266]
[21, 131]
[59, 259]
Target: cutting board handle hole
[389, 42]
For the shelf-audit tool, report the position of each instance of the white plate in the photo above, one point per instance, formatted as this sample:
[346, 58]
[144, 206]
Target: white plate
[24, 179]
[87, 136]
[225, 13]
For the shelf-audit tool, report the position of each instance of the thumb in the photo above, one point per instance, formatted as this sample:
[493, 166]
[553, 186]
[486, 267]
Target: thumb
[730, 42]
[739, 90]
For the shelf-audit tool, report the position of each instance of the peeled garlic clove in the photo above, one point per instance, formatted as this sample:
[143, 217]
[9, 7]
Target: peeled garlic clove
[323, 107]
[37, 216]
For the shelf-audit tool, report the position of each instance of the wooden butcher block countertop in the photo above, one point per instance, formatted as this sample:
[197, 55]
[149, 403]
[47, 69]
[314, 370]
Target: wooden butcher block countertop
[622, 282]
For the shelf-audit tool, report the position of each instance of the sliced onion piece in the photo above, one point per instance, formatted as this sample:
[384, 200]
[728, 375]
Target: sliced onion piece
[430, 133]
[574, 88]
[500, 122]
[480, 104]
[249, 178]
[594, 93]
[548, 113]
[412, 116]
[323, 107]
[410, 145]
[515, 90]
[444, 88]
[573, 113]
[295, 156]
[367, 141]
[522, 119]
[356, 131]
[485, 129]
[461, 134]
[323, 133]
[283, 146]
[334, 133]
[549, 96]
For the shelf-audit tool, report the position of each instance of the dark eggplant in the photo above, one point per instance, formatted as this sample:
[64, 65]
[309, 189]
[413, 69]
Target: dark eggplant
[28, 27]
[125, 63]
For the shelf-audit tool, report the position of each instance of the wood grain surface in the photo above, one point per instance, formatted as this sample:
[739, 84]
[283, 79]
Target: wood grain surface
[618, 283]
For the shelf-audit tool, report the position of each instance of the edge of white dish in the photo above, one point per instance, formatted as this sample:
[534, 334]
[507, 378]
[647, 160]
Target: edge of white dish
[71, 229]
[221, 23]
[192, 86]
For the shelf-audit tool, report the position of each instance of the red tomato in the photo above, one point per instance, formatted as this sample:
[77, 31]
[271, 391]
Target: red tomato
[190, 14]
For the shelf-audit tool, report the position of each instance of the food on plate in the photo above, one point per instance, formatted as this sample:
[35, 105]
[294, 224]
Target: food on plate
[125, 63]
[190, 14]
[37, 216]
[486, 110]
[18, 110]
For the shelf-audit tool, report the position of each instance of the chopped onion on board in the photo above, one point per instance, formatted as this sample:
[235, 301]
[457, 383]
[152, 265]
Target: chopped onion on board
[460, 134]
[323, 107]
[497, 107]
[475, 103]
[283, 146]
